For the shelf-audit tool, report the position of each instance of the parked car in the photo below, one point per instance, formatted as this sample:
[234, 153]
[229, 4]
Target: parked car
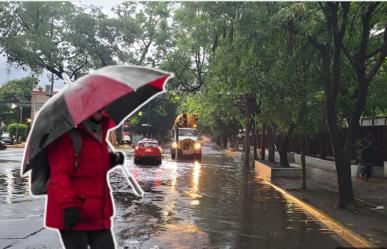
[2, 145]
[6, 138]
[147, 150]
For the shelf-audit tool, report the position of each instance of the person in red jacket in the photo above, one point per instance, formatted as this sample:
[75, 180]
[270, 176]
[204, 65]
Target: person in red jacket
[79, 201]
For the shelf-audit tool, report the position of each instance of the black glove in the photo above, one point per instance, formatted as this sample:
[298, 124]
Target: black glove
[116, 158]
[71, 217]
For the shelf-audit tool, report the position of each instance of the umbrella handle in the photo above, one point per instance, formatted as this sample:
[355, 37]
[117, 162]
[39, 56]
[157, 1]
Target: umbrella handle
[133, 183]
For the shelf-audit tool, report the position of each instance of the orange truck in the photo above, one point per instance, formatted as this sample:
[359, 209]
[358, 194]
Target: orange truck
[185, 142]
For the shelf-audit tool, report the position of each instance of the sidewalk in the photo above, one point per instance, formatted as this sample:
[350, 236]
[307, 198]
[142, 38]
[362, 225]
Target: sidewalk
[125, 148]
[369, 221]
[22, 145]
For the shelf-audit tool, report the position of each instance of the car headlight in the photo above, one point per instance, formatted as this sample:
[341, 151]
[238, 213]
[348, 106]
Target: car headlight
[174, 145]
[197, 146]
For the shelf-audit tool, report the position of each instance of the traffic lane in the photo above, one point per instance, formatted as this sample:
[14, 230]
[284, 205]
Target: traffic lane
[21, 216]
[10, 155]
[216, 201]
[186, 204]
[154, 220]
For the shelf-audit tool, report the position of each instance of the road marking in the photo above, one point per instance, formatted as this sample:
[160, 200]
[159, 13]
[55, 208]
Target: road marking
[342, 231]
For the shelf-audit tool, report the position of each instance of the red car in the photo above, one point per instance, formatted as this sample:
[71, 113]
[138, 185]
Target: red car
[147, 150]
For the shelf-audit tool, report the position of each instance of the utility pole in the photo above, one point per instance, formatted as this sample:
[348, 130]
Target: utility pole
[52, 85]
[148, 129]
[21, 120]
[263, 145]
[13, 106]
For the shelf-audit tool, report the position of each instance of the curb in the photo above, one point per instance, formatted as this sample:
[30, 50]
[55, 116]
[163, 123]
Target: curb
[20, 146]
[341, 230]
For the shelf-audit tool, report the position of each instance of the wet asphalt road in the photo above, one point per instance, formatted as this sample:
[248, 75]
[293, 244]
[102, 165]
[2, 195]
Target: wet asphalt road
[213, 204]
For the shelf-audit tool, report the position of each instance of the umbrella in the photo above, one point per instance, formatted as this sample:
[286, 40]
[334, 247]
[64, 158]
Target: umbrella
[121, 90]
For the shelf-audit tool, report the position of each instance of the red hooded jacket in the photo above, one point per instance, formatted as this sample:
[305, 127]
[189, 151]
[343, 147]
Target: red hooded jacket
[85, 186]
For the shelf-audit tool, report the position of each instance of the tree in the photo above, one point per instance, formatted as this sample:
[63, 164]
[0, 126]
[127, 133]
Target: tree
[17, 92]
[197, 30]
[365, 54]
[376, 104]
[143, 32]
[7, 17]
[19, 129]
[218, 116]
[293, 98]
[160, 113]
[57, 37]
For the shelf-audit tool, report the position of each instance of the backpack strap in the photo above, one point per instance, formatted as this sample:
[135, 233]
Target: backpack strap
[77, 143]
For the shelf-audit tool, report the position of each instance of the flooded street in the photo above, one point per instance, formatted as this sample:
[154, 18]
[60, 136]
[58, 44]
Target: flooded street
[213, 204]
[13, 188]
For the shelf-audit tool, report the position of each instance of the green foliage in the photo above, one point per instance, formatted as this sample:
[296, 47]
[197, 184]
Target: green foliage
[251, 62]
[377, 100]
[14, 90]
[234, 62]
[17, 92]
[160, 113]
[145, 27]
[23, 130]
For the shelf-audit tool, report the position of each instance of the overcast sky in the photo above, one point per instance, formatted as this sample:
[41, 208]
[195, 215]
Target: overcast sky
[106, 5]
[10, 73]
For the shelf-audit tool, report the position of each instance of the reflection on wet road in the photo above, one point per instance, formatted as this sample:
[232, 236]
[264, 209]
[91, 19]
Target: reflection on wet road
[13, 187]
[215, 204]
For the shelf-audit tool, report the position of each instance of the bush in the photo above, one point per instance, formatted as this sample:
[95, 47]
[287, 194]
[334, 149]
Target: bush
[23, 130]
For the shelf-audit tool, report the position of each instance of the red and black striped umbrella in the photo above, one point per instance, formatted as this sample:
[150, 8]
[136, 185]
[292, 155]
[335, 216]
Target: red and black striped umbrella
[119, 90]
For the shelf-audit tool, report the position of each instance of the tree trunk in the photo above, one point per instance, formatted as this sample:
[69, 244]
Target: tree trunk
[263, 145]
[331, 71]
[303, 164]
[218, 140]
[282, 147]
[224, 142]
[323, 152]
[270, 140]
[235, 143]
[344, 181]
[366, 65]
[244, 144]
[342, 160]
[247, 144]
[254, 142]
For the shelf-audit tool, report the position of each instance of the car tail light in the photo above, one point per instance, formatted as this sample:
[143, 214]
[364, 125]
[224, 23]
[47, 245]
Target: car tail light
[160, 148]
[136, 147]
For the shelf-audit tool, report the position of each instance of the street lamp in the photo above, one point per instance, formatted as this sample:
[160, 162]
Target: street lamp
[13, 106]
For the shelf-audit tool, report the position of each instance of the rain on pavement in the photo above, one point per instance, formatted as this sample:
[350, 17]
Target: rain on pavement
[213, 204]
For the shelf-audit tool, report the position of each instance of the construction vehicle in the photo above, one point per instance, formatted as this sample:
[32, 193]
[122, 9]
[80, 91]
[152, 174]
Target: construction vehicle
[185, 142]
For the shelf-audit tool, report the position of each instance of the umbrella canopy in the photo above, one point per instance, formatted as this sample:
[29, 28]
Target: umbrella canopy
[120, 90]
